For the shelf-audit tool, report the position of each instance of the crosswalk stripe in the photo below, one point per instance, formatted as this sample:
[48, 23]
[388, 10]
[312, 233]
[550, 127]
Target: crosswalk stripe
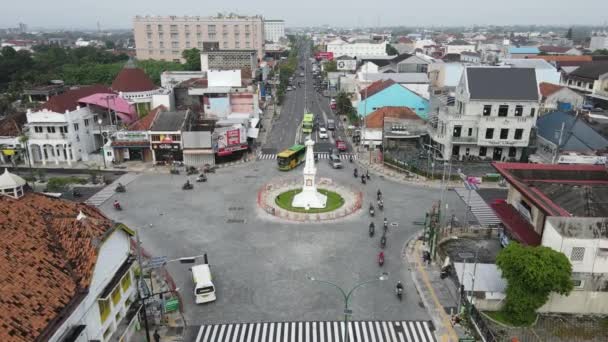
[332, 331]
[320, 155]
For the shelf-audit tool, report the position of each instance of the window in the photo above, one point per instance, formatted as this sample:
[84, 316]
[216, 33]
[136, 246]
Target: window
[161, 45]
[175, 45]
[200, 45]
[198, 28]
[187, 35]
[247, 44]
[577, 254]
[175, 52]
[160, 28]
[50, 129]
[174, 36]
[589, 85]
[212, 36]
[504, 133]
[470, 132]
[569, 82]
[63, 129]
[602, 252]
[199, 35]
[519, 110]
[149, 44]
[76, 127]
[149, 35]
[86, 122]
[487, 110]
[503, 110]
[532, 112]
[187, 28]
[173, 28]
[489, 133]
[161, 52]
[187, 45]
[246, 28]
[211, 28]
[108, 332]
[519, 133]
[104, 309]
[578, 283]
[579, 83]
[176, 60]
[125, 283]
[37, 129]
[161, 35]
[483, 151]
[456, 150]
[116, 295]
[457, 131]
[237, 45]
[512, 152]
[95, 118]
[148, 27]
[225, 45]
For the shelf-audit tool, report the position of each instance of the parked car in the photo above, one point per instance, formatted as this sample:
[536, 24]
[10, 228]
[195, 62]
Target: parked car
[341, 145]
[334, 161]
[323, 133]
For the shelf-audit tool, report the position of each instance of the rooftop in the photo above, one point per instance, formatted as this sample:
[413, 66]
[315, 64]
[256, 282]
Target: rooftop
[375, 88]
[47, 258]
[524, 50]
[579, 136]
[591, 70]
[511, 84]
[560, 190]
[169, 121]
[376, 118]
[145, 122]
[10, 126]
[580, 227]
[132, 79]
[402, 77]
[547, 89]
[68, 101]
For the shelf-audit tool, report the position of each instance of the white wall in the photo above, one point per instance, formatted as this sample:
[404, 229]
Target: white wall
[224, 78]
[112, 254]
[357, 49]
[460, 48]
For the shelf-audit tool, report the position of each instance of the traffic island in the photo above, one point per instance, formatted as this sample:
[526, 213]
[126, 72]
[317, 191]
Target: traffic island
[275, 201]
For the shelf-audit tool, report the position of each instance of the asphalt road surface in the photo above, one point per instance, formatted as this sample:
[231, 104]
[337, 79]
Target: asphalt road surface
[260, 266]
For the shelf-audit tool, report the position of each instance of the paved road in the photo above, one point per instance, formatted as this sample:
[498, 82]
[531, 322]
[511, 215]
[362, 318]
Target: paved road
[260, 266]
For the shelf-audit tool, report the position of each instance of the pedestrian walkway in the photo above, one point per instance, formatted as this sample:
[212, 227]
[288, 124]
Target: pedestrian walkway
[358, 331]
[480, 209]
[107, 192]
[321, 155]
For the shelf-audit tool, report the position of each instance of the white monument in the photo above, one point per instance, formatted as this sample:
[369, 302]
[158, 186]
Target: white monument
[309, 197]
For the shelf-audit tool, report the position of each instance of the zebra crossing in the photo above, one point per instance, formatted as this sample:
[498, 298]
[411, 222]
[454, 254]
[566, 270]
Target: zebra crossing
[480, 209]
[321, 155]
[107, 192]
[358, 331]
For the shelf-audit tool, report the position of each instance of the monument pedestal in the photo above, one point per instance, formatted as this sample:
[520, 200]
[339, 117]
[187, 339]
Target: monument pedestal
[309, 197]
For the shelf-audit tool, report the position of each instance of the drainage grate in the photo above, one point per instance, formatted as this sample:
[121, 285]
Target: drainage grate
[235, 208]
[235, 221]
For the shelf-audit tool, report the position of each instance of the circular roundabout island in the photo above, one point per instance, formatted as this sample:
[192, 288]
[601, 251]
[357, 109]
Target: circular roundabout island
[334, 201]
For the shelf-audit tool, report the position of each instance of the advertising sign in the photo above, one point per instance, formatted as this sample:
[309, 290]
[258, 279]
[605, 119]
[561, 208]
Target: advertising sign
[233, 139]
[347, 65]
[325, 55]
[131, 136]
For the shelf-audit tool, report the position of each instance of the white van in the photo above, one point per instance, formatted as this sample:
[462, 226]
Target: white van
[204, 291]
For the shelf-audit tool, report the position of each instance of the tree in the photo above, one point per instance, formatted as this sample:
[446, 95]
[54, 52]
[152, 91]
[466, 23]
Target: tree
[345, 107]
[390, 50]
[600, 52]
[330, 66]
[193, 59]
[110, 45]
[569, 33]
[532, 273]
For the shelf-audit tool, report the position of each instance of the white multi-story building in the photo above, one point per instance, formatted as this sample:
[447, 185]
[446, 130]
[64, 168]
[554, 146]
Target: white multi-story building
[358, 49]
[493, 114]
[274, 30]
[599, 42]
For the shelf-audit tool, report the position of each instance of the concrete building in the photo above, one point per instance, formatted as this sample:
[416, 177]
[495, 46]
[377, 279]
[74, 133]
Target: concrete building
[274, 30]
[459, 46]
[385, 93]
[562, 207]
[164, 38]
[81, 286]
[361, 48]
[598, 42]
[545, 71]
[558, 97]
[492, 116]
[133, 85]
[522, 52]
[588, 78]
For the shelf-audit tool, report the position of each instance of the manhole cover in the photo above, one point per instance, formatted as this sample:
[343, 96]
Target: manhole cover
[251, 176]
[235, 208]
[235, 221]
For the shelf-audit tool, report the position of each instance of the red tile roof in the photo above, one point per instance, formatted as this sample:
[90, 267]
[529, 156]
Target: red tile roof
[547, 89]
[376, 118]
[375, 88]
[553, 49]
[69, 100]
[144, 123]
[551, 58]
[12, 124]
[47, 258]
[132, 80]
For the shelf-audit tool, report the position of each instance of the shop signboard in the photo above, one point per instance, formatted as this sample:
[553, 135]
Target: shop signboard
[131, 136]
[230, 140]
[165, 146]
[325, 55]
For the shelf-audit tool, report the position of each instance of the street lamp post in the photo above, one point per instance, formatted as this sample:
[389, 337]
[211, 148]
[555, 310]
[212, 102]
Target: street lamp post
[347, 296]
[101, 152]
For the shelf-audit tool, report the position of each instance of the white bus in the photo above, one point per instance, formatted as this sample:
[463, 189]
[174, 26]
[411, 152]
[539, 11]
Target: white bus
[204, 291]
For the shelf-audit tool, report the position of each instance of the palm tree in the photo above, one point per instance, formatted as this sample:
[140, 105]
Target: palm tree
[23, 140]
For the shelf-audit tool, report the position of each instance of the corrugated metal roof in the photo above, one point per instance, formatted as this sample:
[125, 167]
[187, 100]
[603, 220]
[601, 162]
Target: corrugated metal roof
[578, 136]
[512, 84]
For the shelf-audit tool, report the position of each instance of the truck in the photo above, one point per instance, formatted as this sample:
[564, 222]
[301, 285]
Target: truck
[341, 145]
[308, 123]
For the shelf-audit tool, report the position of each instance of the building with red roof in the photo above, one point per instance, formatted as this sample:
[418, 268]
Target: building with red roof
[66, 270]
[135, 86]
[559, 97]
[563, 207]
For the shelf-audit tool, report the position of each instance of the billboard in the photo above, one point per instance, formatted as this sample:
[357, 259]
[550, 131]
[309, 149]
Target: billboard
[347, 65]
[325, 55]
[230, 140]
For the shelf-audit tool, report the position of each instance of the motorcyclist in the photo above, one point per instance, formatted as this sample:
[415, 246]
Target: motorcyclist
[363, 179]
[356, 173]
[385, 223]
[381, 258]
[399, 288]
[379, 194]
[380, 204]
[117, 205]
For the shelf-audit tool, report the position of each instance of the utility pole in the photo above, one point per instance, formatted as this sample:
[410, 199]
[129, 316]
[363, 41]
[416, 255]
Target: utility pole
[139, 285]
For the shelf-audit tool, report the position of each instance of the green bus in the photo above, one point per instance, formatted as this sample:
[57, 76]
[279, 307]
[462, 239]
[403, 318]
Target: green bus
[291, 157]
[307, 123]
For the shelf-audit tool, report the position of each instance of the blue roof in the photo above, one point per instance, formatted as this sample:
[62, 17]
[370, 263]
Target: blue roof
[583, 137]
[524, 49]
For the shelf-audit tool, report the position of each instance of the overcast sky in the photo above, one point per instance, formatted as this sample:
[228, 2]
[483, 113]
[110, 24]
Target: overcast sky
[119, 13]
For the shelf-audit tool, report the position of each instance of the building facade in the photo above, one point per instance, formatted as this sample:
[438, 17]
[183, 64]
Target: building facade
[229, 60]
[492, 117]
[165, 37]
[341, 48]
[274, 30]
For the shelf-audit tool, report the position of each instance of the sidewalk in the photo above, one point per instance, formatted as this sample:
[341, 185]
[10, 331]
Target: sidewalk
[436, 294]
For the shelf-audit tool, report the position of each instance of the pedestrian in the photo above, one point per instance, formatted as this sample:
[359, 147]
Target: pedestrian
[156, 336]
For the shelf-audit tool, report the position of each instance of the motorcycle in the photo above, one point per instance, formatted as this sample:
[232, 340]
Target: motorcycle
[381, 259]
[385, 225]
[363, 181]
[76, 193]
[383, 241]
[120, 188]
[356, 173]
[372, 228]
[371, 210]
[379, 195]
[380, 205]
[350, 158]
[316, 158]
[117, 206]
[208, 168]
[187, 186]
[399, 291]
[191, 170]
[201, 178]
[367, 174]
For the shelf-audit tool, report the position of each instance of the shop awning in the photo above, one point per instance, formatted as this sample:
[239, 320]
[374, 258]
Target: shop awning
[198, 151]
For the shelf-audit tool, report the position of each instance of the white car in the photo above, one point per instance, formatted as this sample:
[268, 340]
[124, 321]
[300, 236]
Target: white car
[323, 133]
